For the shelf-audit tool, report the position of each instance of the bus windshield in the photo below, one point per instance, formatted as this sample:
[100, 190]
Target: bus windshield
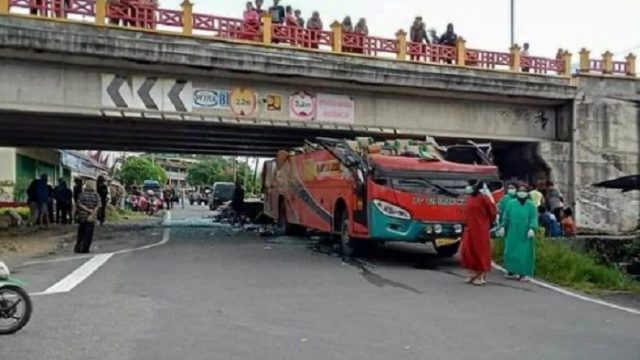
[433, 183]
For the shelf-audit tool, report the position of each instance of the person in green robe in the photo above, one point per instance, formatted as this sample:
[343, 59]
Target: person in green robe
[520, 222]
[502, 206]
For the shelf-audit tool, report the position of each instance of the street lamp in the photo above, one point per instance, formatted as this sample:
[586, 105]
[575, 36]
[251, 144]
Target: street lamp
[513, 22]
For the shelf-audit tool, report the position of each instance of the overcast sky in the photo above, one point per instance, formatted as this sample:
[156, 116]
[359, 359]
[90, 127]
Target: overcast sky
[546, 24]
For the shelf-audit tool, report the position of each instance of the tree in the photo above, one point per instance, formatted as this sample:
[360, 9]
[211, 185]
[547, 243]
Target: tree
[136, 170]
[220, 169]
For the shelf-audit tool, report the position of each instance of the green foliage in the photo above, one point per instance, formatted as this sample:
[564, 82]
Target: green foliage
[136, 170]
[116, 214]
[220, 169]
[24, 212]
[559, 264]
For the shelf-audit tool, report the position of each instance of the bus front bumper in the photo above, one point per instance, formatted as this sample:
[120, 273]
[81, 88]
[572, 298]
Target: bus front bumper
[391, 229]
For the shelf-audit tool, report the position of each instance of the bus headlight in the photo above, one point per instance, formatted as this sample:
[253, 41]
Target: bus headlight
[437, 228]
[457, 228]
[391, 210]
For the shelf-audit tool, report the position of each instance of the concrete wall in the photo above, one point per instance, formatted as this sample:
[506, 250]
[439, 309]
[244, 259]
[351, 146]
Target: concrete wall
[7, 171]
[33, 86]
[607, 147]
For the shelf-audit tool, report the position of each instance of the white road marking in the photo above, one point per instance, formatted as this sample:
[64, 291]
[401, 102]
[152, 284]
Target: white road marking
[88, 268]
[574, 295]
[165, 239]
[167, 216]
[77, 276]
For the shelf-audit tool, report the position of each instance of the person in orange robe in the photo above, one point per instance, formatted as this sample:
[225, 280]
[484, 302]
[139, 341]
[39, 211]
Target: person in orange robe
[475, 252]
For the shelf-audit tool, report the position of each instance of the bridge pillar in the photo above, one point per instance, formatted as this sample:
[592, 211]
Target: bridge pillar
[631, 64]
[401, 37]
[101, 12]
[585, 65]
[515, 58]
[461, 51]
[336, 29]
[4, 7]
[566, 58]
[267, 28]
[187, 17]
[607, 61]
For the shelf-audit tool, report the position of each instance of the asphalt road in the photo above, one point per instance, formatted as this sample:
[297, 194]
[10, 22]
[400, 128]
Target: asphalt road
[216, 293]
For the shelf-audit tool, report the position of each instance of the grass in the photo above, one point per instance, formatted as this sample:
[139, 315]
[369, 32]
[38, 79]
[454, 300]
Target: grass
[22, 211]
[117, 214]
[559, 264]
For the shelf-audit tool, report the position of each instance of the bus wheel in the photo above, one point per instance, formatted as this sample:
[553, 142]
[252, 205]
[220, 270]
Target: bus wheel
[285, 228]
[448, 251]
[347, 246]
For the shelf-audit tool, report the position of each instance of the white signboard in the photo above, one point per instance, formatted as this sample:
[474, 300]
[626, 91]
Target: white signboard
[302, 106]
[212, 99]
[178, 95]
[116, 91]
[335, 108]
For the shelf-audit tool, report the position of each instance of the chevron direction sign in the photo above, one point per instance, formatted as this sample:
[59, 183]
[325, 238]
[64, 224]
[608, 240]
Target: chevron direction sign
[147, 93]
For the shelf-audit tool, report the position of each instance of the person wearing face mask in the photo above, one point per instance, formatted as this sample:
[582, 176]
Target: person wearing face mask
[520, 223]
[475, 251]
[502, 206]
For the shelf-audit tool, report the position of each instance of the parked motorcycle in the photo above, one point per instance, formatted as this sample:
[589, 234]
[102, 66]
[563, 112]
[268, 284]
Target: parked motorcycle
[150, 203]
[15, 303]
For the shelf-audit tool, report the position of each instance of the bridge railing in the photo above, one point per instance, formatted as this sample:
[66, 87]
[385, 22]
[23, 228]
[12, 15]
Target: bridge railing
[140, 14]
[606, 65]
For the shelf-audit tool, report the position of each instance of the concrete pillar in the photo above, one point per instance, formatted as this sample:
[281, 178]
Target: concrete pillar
[187, 17]
[101, 12]
[607, 61]
[401, 37]
[515, 58]
[631, 64]
[566, 59]
[585, 63]
[267, 28]
[4, 7]
[461, 51]
[336, 29]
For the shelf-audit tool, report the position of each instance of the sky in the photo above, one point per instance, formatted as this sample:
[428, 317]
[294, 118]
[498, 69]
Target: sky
[546, 24]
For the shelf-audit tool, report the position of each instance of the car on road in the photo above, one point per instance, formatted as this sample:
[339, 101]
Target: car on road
[222, 192]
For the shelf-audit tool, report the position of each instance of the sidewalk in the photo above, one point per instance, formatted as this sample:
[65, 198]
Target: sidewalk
[18, 245]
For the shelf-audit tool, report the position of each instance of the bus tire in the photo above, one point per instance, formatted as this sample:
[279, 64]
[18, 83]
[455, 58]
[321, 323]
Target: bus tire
[448, 251]
[286, 228]
[347, 246]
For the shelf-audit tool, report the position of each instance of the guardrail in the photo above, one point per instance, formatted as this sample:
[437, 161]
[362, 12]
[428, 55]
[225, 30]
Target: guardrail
[139, 14]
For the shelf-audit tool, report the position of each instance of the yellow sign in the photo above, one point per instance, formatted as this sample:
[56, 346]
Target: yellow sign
[273, 103]
[446, 242]
[243, 101]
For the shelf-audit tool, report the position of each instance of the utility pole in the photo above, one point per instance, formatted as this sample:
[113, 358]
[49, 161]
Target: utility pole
[513, 22]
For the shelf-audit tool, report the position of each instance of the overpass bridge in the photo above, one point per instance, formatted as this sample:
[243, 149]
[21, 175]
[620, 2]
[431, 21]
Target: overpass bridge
[81, 85]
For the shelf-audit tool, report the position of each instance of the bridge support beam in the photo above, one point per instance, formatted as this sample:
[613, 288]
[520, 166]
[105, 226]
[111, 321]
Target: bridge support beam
[607, 61]
[336, 29]
[585, 65]
[401, 37]
[461, 51]
[101, 12]
[566, 58]
[187, 17]
[631, 65]
[515, 58]
[267, 28]
[4, 7]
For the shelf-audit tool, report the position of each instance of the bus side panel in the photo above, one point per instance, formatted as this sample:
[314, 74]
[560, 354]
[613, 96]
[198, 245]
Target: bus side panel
[271, 190]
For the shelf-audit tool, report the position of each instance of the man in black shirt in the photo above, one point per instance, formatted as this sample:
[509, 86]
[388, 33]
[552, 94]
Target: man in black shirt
[277, 12]
[449, 38]
[103, 192]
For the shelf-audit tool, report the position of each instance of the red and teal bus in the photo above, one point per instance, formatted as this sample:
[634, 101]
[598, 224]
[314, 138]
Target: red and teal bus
[375, 192]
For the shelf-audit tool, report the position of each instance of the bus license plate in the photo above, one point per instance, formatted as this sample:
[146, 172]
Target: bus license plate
[446, 242]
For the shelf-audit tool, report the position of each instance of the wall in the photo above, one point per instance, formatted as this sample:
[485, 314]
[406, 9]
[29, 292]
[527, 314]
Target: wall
[58, 88]
[607, 147]
[7, 171]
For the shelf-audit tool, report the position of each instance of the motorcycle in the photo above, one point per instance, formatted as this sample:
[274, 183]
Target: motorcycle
[150, 203]
[15, 303]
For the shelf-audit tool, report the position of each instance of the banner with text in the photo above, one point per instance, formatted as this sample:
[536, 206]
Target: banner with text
[335, 108]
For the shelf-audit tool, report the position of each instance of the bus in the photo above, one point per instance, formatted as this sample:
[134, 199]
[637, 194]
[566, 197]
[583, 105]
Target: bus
[361, 191]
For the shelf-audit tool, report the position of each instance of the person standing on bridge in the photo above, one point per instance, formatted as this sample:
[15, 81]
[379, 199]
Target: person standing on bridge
[314, 24]
[277, 12]
[88, 207]
[521, 222]
[103, 192]
[475, 252]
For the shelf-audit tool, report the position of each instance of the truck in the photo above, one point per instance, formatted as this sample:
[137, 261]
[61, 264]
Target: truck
[365, 192]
